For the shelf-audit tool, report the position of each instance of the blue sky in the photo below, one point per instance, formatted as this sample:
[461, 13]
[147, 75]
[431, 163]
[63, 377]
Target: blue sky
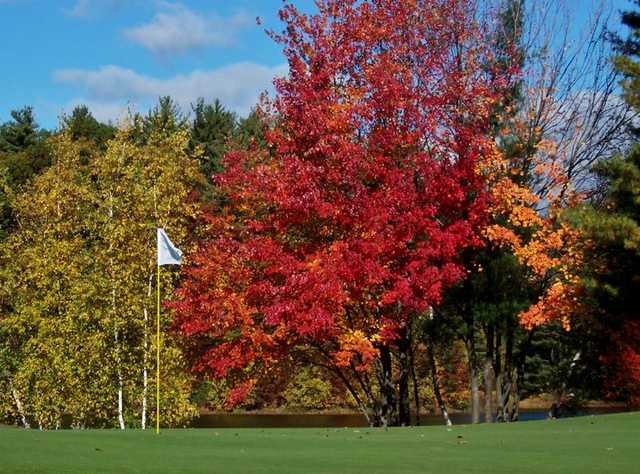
[114, 54]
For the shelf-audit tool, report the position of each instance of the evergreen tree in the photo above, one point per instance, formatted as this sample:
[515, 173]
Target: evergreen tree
[166, 117]
[24, 153]
[612, 280]
[19, 133]
[629, 51]
[82, 124]
[251, 129]
[212, 127]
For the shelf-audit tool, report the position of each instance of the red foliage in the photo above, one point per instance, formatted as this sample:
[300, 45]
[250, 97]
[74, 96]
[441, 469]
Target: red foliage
[353, 220]
[623, 364]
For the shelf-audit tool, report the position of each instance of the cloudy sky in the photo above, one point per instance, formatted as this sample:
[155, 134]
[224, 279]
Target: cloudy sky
[114, 54]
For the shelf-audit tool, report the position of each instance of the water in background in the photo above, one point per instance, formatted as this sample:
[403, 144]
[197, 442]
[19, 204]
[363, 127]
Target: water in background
[250, 420]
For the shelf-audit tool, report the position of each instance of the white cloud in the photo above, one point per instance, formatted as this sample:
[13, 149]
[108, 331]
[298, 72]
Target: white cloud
[103, 111]
[91, 8]
[80, 9]
[237, 85]
[177, 30]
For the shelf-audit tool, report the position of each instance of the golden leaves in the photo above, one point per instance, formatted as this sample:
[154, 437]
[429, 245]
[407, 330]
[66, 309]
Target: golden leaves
[547, 247]
[355, 348]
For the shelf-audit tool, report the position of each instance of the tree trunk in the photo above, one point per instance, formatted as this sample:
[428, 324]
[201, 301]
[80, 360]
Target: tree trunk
[518, 375]
[404, 407]
[145, 376]
[365, 409]
[145, 355]
[16, 400]
[414, 381]
[499, 371]
[500, 398]
[116, 336]
[488, 375]
[436, 385]
[387, 403]
[514, 408]
[506, 380]
[371, 421]
[120, 388]
[470, 343]
[475, 394]
[115, 330]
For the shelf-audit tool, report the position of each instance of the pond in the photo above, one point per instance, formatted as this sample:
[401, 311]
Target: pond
[304, 420]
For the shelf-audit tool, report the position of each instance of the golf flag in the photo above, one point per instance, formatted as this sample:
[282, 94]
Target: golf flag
[168, 254]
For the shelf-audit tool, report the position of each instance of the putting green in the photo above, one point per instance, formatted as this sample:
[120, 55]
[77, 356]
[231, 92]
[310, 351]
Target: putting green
[602, 444]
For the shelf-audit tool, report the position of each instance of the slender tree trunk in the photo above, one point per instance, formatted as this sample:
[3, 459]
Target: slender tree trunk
[507, 384]
[387, 404]
[371, 421]
[145, 380]
[404, 407]
[488, 375]
[116, 336]
[500, 398]
[518, 375]
[364, 409]
[145, 356]
[115, 330]
[473, 374]
[120, 381]
[16, 400]
[514, 404]
[414, 381]
[436, 385]
[499, 371]
[475, 394]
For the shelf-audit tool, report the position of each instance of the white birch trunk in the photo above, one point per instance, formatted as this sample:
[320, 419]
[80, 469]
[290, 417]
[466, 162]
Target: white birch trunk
[145, 382]
[16, 399]
[120, 407]
[145, 375]
[115, 331]
[119, 370]
[436, 386]
[445, 415]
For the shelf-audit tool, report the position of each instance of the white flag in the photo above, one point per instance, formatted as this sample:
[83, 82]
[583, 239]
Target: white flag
[168, 254]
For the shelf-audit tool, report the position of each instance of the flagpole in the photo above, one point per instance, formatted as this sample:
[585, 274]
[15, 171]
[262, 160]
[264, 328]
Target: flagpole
[168, 254]
[158, 354]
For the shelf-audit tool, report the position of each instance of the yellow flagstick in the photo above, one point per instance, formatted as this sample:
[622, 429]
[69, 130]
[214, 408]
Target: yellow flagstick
[158, 355]
[168, 254]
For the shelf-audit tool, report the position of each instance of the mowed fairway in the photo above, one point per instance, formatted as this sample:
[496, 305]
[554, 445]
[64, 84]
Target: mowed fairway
[603, 444]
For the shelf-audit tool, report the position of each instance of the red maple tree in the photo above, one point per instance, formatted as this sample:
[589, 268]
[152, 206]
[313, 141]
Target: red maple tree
[334, 240]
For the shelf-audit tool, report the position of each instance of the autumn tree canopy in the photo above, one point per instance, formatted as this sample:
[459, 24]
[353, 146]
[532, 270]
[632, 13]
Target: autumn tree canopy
[351, 224]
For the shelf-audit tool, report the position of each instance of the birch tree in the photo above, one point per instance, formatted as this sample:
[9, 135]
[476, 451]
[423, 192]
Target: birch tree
[77, 276]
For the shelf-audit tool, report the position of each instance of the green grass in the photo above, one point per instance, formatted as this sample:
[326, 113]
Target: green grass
[603, 444]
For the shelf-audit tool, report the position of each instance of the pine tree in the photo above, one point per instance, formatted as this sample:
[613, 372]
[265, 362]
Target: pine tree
[212, 127]
[166, 117]
[82, 124]
[24, 153]
[627, 60]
